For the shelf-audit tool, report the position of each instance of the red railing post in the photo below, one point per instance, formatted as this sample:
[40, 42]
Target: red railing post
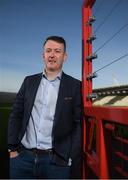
[86, 51]
[86, 66]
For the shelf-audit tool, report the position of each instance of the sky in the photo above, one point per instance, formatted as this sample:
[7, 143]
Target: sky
[111, 18]
[25, 24]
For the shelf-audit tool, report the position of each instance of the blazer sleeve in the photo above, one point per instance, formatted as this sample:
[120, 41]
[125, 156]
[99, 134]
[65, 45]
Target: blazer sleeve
[15, 119]
[76, 150]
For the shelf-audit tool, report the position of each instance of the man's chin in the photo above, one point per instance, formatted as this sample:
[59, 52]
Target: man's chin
[51, 69]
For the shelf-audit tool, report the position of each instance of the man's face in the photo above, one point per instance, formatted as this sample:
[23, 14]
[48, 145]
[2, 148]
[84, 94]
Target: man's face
[54, 55]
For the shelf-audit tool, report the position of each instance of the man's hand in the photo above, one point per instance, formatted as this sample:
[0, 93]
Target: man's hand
[13, 154]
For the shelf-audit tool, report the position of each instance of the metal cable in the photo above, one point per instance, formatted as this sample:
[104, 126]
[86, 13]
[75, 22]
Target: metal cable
[115, 34]
[118, 59]
[96, 10]
[106, 18]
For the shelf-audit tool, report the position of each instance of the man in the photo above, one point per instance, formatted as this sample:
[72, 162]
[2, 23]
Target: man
[44, 131]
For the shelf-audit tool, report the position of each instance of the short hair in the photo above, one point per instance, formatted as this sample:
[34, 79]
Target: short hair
[57, 39]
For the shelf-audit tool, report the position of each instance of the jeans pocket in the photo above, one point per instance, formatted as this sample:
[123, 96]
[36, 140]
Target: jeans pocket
[17, 155]
[13, 157]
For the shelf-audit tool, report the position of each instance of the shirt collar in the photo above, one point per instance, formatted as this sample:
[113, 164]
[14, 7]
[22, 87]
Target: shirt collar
[59, 75]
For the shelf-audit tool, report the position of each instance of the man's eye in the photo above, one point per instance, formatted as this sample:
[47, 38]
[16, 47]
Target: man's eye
[58, 51]
[48, 50]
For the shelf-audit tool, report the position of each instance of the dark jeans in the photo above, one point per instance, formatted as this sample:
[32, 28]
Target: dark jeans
[32, 166]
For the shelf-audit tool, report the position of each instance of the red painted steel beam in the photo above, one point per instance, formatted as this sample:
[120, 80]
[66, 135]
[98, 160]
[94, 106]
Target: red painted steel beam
[86, 51]
[113, 114]
[86, 69]
[88, 3]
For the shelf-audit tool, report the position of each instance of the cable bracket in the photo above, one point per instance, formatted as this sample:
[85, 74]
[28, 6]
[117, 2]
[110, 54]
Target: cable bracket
[92, 56]
[91, 20]
[91, 38]
[91, 76]
[92, 96]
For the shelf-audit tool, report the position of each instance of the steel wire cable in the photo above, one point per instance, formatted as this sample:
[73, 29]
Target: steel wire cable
[108, 15]
[96, 10]
[118, 59]
[115, 34]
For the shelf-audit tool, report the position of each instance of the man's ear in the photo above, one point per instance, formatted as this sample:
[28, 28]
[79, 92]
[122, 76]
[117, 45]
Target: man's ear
[65, 57]
[43, 55]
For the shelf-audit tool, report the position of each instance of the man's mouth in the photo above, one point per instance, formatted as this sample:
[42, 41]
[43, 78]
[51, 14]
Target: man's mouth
[51, 61]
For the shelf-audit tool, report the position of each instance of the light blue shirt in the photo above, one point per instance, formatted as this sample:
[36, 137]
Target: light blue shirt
[39, 130]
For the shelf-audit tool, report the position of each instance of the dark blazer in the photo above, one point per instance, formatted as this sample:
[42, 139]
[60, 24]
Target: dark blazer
[66, 131]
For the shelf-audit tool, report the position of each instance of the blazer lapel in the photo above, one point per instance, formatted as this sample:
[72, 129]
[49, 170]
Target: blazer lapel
[32, 93]
[61, 95]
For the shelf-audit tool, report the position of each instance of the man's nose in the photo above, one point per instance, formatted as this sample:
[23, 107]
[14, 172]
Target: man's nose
[52, 54]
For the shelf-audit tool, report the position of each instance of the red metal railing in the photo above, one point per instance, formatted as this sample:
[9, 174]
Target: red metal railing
[105, 129]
